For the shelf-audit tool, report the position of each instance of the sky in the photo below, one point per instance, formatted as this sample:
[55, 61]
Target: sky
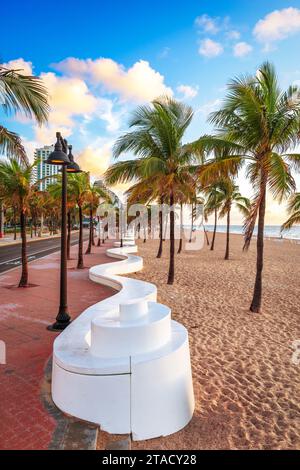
[100, 60]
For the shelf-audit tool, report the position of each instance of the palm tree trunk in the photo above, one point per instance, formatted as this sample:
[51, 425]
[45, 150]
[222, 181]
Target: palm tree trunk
[172, 241]
[257, 294]
[89, 248]
[93, 231]
[42, 225]
[159, 253]
[24, 277]
[15, 224]
[99, 233]
[181, 230]
[227, 234]
[165, 228]
[192, 225]
[103, 234]
[80, 244]
[69, 236]
[1, 221]
[206, 236]
[215, 231]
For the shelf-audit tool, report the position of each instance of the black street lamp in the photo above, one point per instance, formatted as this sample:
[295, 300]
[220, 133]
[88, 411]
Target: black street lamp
[60, 157]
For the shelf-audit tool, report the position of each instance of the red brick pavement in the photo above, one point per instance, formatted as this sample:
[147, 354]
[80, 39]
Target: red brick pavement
[24, 315]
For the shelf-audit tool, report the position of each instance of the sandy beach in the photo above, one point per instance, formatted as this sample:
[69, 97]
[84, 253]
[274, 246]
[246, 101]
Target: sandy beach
[247, 389]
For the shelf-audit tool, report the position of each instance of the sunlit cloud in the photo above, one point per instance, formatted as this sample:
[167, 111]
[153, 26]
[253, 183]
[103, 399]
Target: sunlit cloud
[22, 66]
[277, 25]
[95, 159]
[241, 49]
[210, 48]
[187, 92]
[208, 24]
[138, 83]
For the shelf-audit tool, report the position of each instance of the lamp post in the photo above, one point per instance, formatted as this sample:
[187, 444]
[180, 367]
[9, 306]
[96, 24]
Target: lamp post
[60, 157]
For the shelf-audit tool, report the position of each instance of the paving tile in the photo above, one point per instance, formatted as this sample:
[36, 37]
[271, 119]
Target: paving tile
[24, 314]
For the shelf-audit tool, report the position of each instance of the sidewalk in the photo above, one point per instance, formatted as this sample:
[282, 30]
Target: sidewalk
[24, 314]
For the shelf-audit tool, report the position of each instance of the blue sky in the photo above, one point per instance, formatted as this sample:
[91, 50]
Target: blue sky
[101, 59]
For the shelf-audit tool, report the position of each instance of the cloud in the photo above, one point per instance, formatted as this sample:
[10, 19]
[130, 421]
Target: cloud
[138, 83]
[105, 112]
[235, 35]
[68, 98]
[187, 91]
[95, 159]
[164, 53]
[30, 146]
[209, 107]
[207, 23]
[210, 48]
[241, 49]
[277, 25]
[24, 67]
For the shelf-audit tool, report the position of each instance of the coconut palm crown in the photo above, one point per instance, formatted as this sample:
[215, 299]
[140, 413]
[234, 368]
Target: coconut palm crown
[156, 138]
[257, 125]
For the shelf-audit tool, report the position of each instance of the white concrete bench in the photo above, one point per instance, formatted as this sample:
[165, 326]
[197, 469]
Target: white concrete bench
[123, 363]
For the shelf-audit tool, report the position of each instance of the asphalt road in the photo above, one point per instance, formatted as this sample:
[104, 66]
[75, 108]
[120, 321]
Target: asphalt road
[10, 255]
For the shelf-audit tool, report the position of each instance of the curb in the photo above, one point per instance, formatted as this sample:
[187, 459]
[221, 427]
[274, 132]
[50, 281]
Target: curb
[37, 239]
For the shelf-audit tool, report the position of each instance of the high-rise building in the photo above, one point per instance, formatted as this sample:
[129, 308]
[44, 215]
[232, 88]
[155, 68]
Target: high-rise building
[42, 170]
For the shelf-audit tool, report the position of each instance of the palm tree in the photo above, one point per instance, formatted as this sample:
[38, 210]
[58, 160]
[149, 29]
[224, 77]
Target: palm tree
[36, 206]
[1, 219]
[54, 190]
[15, 179]
[93, 196]
[79, 188]
[294, 211]
[145, 191]
[212, 205]
[258, 124]
[156, 139]
[20, 93]
[231, 196]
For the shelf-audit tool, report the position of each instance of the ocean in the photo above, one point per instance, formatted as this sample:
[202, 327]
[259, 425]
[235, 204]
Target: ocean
[270, 231]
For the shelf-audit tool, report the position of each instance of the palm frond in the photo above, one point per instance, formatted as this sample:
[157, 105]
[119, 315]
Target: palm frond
[23, 93]
[250, 221]
[11, 145]
[280, 181]
[294, 211]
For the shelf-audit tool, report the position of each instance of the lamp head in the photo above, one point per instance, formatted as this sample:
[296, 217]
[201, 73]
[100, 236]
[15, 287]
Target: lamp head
[57, 157]
[72, 167]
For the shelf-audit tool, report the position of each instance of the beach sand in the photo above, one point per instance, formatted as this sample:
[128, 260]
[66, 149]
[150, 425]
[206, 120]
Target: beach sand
[247, 389]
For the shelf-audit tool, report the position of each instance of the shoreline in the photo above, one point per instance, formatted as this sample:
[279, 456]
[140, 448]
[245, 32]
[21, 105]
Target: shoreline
[266, 237]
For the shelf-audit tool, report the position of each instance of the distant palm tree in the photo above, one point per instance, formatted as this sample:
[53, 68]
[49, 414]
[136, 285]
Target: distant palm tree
[15, 189]
[294, 211]
[54, 190]
[257, 124]
[79, 188]
[213, 202]
[20, 93]
[93, 196]
[156, 139]
[232, 197]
